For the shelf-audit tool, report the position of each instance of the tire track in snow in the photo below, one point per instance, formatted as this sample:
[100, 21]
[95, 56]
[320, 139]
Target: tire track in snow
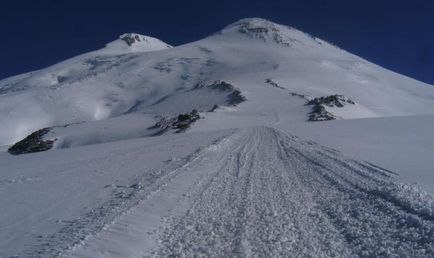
[77, 231]
[265, 194]
[292, 198]
[138, 223]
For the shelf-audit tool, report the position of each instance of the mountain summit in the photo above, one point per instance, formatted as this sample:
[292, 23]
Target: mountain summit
[137, 42]
[268, 31]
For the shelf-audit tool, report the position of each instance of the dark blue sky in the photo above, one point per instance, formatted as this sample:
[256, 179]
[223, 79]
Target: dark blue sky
[396, 34]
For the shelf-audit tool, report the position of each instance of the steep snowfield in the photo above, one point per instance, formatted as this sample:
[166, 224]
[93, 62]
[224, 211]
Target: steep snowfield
[239, 182]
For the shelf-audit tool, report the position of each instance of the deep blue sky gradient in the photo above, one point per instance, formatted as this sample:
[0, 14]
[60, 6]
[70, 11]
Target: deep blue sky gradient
[398, 35]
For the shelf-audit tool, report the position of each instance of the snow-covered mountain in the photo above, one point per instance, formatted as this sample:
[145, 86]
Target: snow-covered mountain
[126, 76]
[246, 85]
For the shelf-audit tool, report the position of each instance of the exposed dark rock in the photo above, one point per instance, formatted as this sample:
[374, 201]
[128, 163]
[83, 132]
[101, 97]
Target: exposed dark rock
[319, 112]
[178, 124]
[331, 101]
[215, 93]
[184, 117]
[273, 83]
[130, 38]
[33, 143]
[217, 85]
[213, 108]
[234, 97]
[294, 94]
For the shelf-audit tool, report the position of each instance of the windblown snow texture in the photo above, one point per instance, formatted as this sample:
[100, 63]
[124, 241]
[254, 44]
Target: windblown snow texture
[262, 193]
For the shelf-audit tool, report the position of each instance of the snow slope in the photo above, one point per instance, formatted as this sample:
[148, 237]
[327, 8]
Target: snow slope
[239, 182]
[253, 191]
[50, 202]
[401, 144]
[109, 83]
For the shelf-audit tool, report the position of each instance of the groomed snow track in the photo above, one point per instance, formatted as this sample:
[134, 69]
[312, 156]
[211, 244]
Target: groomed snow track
[261, 193]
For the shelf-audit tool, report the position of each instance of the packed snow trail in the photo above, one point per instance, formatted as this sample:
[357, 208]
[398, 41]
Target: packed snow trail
[264, 194]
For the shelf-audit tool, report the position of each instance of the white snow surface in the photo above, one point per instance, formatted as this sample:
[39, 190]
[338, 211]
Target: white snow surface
[249, 179]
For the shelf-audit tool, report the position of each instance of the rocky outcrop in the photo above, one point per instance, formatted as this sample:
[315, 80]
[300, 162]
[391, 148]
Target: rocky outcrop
[177, 124]
[331, 101]
[234, 96]
[140, 42]
[274, 84]
[35, 142]
[305, 97]
[319, 113]
[130, 38]
[319, 110]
